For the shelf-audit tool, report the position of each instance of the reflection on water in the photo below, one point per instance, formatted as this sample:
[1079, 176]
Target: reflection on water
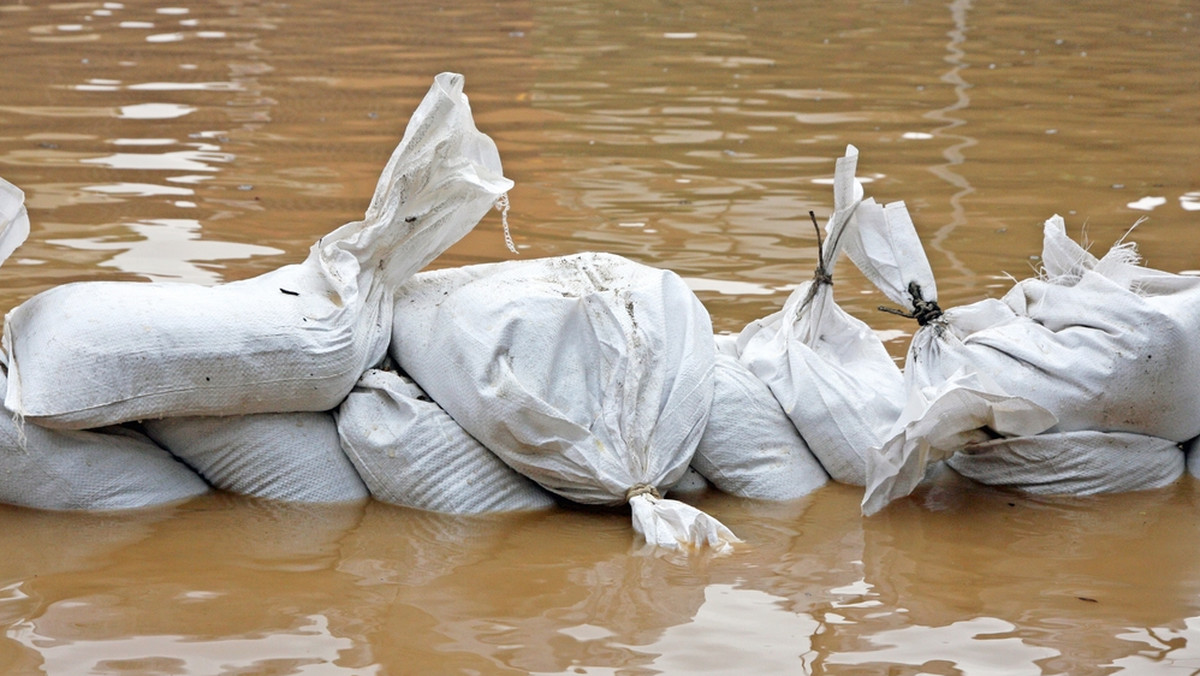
[216, 141]
[200, 159]
[949, 129]
[308, 649]
[735, 628]
[981, 645]
[155, 251]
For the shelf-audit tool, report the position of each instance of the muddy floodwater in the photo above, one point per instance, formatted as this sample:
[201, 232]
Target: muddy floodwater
[209, 142]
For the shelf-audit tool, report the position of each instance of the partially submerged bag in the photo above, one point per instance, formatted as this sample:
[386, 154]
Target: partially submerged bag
[590, 374]
[749, 447]
[1072, 463]
[1097, 342]
[294, 339]
[1094, 345]
[828, 369]
[292, 457]
[103, 469]
[410, 452]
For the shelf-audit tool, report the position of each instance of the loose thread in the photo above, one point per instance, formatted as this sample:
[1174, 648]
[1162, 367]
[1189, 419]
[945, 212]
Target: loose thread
[502, 207]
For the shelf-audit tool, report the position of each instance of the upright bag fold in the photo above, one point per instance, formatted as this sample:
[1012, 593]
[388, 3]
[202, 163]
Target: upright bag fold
[295, 339]
[828, 370]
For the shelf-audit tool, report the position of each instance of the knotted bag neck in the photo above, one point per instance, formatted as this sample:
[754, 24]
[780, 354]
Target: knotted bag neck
[924, 311]
[642, 489]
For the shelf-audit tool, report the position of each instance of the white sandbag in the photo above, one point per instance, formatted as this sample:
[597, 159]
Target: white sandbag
[291, 457]
[1100, 343]
[410, 452]
[105, 469]
[1072, 463]
[749, 447]
[590, 374]
[1094, 345]
[295, 339]
[829, 370]
[14, 219]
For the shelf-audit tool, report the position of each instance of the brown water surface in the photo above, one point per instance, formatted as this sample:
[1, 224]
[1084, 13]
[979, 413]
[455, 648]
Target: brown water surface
[214, 141]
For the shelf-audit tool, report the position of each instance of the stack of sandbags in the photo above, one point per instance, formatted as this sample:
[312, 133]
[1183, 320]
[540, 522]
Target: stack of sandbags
[410, 452]
[240, 379]
[1086, 357]
[590, 374]
[828, 369]
[102, 469]
[111, 468]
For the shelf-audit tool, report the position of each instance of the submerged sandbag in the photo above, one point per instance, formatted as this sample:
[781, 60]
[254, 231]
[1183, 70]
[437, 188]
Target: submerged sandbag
[829, 370]
[294, 339]
[103, 469]
[1083, 462]
[590, 374]
[749, 447]
[292, 457]
[410, 452]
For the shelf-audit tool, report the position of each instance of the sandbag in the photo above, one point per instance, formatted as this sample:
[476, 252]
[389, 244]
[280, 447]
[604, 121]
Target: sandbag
[1092, 345]
[1083, 462]
[1100, 343]
[749, 447]
[14, 219]
[829, 370]
[104, 469]
[410, 452]
[292, 457]
[294, 339]
[590, 374]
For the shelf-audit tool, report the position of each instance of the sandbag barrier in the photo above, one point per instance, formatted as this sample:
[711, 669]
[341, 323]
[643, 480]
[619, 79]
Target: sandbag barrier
[587, 378]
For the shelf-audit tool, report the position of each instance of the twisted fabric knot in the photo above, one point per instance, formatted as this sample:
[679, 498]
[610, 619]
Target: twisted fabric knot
[924, 311]
[642, 489]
